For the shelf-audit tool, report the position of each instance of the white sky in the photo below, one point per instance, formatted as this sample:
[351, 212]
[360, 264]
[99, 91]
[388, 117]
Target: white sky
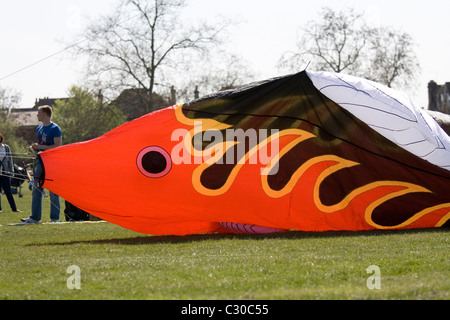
[31, 30]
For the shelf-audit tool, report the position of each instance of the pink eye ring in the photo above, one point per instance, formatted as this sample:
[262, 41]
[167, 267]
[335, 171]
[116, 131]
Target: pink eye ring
[154, 162]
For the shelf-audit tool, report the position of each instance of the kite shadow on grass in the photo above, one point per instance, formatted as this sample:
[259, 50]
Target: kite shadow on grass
[292, 235]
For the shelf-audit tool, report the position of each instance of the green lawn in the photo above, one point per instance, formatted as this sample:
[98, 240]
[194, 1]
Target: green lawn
[115, 263]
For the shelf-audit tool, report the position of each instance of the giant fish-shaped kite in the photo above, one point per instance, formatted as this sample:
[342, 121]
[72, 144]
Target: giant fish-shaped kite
[311, 151]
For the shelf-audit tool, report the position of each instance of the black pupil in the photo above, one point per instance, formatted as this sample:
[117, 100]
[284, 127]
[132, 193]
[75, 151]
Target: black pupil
[154, 162]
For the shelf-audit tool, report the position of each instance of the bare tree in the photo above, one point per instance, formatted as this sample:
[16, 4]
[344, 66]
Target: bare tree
[141, 44]
[335, 43]
[342, 42]
[393, 61]
[9, 99]
[227, 71]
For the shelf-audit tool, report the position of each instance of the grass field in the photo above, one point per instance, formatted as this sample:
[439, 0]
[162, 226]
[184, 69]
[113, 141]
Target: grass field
[115, 263]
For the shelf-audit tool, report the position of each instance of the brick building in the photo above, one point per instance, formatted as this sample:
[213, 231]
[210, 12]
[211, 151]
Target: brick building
[439, 97]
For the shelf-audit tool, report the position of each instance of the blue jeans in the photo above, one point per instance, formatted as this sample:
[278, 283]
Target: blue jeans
[36, 202]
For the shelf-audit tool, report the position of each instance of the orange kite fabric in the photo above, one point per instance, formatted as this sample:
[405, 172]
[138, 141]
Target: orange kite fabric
[271, 156]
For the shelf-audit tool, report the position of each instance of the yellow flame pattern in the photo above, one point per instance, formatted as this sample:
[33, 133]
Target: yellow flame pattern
[299, 136]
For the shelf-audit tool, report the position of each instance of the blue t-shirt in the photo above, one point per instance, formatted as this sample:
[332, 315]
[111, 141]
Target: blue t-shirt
[46, 135]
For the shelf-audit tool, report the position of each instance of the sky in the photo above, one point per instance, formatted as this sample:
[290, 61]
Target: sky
[34, 32]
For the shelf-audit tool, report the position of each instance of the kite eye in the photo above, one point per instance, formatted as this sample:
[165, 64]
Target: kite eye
[154, 162]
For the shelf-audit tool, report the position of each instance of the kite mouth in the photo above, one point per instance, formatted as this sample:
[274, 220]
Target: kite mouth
[41, 178]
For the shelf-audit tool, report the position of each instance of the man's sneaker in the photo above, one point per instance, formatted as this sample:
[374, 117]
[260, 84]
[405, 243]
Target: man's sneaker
[29, 221]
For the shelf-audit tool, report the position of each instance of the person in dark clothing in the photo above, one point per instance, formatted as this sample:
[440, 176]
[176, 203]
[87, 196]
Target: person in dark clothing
[6, 173]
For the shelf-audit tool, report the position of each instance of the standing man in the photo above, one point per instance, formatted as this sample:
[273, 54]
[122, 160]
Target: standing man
[48, 136]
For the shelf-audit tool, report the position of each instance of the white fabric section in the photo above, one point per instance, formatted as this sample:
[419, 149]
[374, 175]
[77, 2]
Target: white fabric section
[388, 112]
